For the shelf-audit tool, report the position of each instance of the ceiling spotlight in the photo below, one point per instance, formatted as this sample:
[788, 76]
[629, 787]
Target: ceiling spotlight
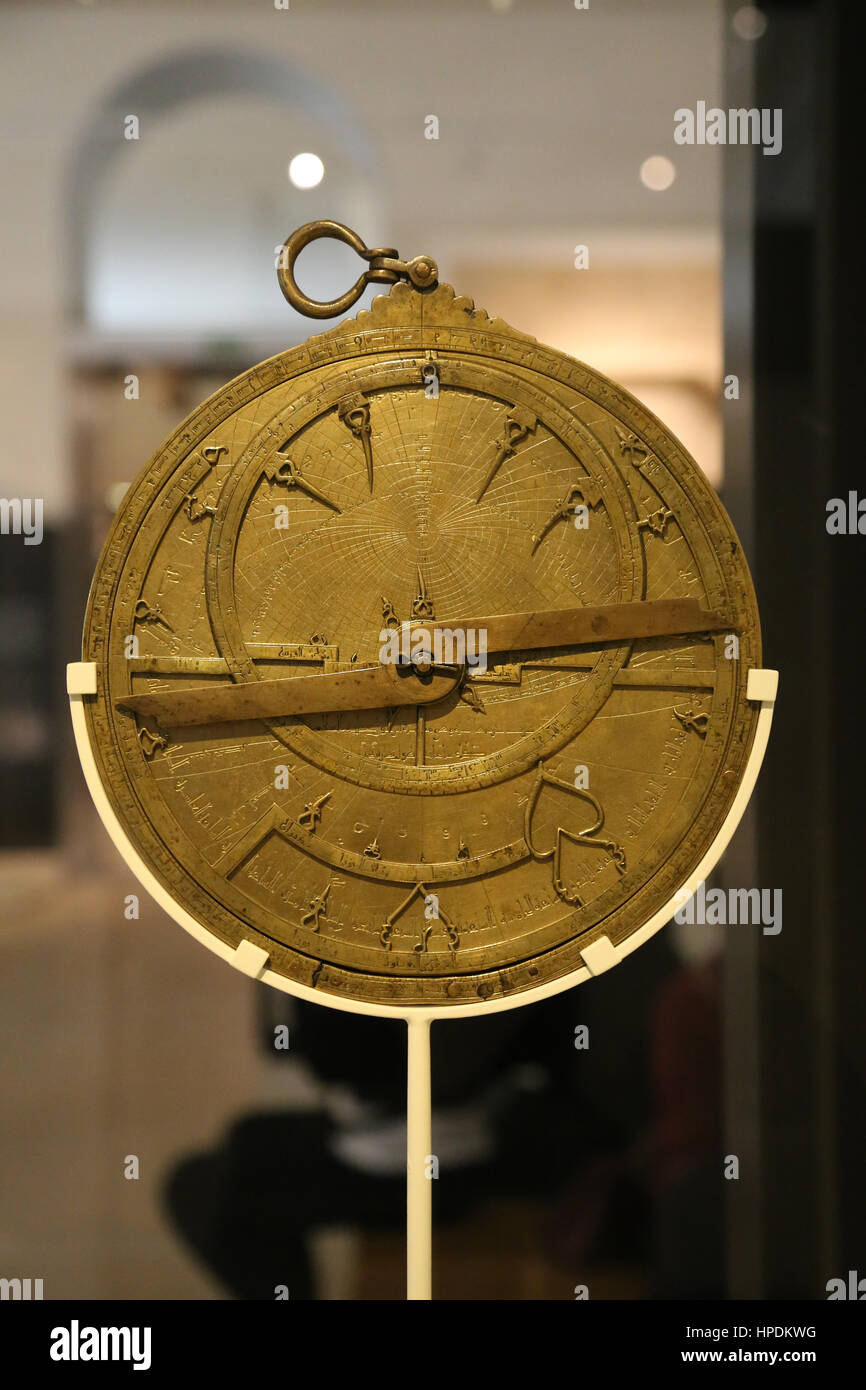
[306, 170]
[657, 173]
[749, 22]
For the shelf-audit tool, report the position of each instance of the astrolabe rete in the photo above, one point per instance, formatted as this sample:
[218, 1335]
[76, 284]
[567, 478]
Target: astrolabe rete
[393, 823]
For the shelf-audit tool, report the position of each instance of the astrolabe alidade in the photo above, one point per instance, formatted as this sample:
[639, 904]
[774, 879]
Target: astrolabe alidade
[421, 657]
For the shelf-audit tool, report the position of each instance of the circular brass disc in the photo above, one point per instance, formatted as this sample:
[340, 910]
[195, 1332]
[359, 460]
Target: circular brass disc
[454, 852]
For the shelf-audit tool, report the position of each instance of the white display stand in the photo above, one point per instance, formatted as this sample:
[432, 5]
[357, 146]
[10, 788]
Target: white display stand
[762, 687]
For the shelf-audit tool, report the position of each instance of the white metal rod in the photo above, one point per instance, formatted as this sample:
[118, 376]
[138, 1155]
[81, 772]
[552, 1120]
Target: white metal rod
[419, 1139]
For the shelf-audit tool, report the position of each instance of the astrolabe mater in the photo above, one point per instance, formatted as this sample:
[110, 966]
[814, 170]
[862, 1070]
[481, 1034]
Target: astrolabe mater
[421, 655]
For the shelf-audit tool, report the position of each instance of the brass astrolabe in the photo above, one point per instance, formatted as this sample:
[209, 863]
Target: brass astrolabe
[421, 655]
